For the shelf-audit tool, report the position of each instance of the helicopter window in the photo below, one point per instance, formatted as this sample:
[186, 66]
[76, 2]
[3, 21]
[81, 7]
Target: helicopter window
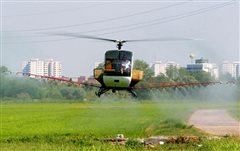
[119, 68]
[112, 55]
[126, 64]
[121, 55]
[109, 65]
[118, 63]
[126, 67]
[124, 55]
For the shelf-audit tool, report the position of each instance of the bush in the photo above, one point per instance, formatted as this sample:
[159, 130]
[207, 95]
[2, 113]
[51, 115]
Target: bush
[72, 93]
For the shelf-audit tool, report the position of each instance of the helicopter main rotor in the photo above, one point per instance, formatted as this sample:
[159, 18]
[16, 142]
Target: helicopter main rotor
[120, 42]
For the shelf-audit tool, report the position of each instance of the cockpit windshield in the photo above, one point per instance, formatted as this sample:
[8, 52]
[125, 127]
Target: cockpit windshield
[118, 63]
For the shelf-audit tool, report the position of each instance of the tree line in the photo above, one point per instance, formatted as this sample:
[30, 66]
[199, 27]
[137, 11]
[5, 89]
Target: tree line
[25, 88]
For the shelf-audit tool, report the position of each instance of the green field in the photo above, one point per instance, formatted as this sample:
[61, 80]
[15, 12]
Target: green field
[83, 126]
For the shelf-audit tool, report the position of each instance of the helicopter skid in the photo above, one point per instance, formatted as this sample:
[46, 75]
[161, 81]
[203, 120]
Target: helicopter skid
[103, 90]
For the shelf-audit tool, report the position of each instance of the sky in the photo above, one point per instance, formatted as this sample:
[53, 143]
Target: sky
[29, 28]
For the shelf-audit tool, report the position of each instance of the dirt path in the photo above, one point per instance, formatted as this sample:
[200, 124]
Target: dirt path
[217, 122]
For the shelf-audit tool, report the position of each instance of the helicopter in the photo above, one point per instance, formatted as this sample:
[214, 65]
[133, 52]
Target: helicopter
[118, 73]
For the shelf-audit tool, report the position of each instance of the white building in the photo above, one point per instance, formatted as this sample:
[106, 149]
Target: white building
[160, 68]
[203, 65]
[236, 67]
[42, 67]
[232, 68]
[227, 68]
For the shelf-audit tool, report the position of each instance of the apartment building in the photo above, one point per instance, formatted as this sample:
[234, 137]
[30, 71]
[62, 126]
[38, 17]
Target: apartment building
[161, 68]
[47, 67]
[232, 68]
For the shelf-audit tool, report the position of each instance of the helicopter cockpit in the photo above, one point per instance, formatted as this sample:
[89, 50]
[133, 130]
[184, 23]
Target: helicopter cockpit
[118, 63]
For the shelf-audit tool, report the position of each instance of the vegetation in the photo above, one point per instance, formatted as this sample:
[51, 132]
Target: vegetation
[39, 114]
[84, 126]
[142, 65]
[25, 88]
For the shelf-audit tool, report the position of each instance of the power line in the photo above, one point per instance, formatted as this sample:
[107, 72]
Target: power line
[116, 27]
[176, 17]
[163, 19]
[148, 23]
[102, 20]
[51, 12]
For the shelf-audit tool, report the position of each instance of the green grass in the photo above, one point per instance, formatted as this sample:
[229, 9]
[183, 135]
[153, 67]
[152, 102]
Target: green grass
[82, 126]
[234, 109]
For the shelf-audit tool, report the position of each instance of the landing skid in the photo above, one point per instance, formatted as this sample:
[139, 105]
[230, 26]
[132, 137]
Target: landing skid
[134, 94]
[103, 90]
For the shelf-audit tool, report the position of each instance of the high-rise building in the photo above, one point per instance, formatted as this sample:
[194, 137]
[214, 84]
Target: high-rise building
[161, 68]
[232, 68]
[203, 65]
[227, 68]
[42, 67]
[237, 67]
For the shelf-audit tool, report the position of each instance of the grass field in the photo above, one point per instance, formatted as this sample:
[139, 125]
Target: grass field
[82, 126]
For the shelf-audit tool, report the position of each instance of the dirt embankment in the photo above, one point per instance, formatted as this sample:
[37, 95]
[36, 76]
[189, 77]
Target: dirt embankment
[215, 121]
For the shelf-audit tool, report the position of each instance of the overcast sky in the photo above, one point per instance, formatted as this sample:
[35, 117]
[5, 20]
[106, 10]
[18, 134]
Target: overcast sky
[27, 26]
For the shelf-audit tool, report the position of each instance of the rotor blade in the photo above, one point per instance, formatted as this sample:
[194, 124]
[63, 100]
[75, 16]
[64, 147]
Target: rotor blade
[164, 39]
[76, 35]
[83, 36]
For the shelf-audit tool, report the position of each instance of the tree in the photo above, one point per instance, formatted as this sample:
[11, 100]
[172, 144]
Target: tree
[172, 72]
[72, 93]
[100, 65]
[226, 77]
[4, 70]
[184, 76]
[202, 76]
[142, 65]
[162, 78]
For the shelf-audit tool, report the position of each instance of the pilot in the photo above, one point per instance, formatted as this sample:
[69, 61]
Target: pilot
[108, 64]
[126, 66]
